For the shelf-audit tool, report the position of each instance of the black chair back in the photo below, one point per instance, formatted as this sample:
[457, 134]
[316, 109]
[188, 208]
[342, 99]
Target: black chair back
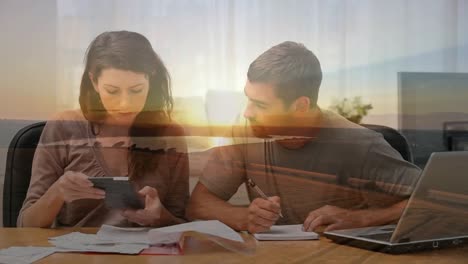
[394, 138]
[18, 171]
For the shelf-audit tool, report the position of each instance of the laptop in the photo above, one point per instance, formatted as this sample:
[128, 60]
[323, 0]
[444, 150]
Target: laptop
[436, 215]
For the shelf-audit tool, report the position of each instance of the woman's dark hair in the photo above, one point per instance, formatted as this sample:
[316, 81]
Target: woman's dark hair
[130, 51]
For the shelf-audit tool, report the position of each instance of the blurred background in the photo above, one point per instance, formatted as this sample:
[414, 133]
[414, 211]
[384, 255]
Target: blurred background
[370, 51]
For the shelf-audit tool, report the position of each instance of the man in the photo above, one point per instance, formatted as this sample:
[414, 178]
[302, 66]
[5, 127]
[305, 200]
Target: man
[317, 168]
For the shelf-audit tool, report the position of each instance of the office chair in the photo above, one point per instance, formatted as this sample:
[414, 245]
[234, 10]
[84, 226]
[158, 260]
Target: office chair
[394, 138]
[18, 170]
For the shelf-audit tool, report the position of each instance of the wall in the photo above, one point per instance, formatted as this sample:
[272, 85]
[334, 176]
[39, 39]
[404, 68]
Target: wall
[27, 66]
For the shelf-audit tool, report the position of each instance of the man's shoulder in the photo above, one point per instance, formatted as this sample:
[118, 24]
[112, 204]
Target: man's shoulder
[336, 126]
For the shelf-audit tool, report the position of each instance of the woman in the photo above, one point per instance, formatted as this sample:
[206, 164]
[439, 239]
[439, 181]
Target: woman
[122, 129]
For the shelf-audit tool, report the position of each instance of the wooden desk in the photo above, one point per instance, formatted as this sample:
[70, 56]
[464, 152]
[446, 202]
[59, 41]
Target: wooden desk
[204, 251]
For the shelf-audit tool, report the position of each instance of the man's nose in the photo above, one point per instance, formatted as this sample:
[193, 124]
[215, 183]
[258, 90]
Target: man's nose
[248, 112]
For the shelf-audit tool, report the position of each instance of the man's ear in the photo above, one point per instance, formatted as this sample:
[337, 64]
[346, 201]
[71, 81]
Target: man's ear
[302, 104]
[91, 77]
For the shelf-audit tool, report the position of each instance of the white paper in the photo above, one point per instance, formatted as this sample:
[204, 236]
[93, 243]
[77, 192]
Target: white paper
[77, 237]
[110, 239]
[172, 234]
[79, 242]
[111, 248]
[172, 249]
[129, 235]
[23, 255]
[286, 232]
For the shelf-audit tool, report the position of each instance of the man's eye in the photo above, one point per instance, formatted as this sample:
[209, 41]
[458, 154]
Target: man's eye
[260, 106]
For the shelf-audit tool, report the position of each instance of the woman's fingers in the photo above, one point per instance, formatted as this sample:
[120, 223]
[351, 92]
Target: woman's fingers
[78, 179]
[75, 186]
[149, 191]
[152, 211]
[138, 216]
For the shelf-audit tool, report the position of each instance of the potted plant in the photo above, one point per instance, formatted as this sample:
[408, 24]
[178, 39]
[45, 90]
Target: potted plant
[352, 109]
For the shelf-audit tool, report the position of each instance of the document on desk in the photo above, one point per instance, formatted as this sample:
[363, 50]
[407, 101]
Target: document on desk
[172, 234]
[79, 242]
[166, 235]
[286, 232]
[169, 240]
[24, 255]
[137, 236]
[213, 230]
[159, 241]
[128, 234]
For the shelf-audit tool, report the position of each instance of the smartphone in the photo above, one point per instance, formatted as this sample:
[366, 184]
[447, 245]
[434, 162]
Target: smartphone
[120, 192]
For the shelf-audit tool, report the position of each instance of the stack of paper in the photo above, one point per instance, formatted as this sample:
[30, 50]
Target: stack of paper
[128, 234]
[24, 255]
[79, 242]
[172, 234]
[110, 239]
[169, 240]
[164, 240]
[138, 236]
[286, 232]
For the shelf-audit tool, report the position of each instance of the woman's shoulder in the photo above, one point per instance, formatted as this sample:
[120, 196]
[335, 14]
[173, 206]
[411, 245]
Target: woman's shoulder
[175, 137]
[68, 115]
[170, 135]
[66, 125]
[174, 129]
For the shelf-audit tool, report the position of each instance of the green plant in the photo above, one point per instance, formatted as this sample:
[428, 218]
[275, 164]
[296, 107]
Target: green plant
[352, 109]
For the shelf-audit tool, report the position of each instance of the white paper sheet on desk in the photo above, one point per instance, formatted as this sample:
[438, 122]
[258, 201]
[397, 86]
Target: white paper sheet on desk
[129, 235]
[137, 236]
[77, 237]
[172, 234]
[79, 242]
[286, 232]
[23, 255]
[131, 249]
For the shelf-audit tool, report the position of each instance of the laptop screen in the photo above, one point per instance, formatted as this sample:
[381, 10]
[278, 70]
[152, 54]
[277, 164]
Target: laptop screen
[438, 208]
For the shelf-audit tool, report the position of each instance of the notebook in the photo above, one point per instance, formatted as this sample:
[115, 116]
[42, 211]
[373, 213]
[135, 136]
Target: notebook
[286, 232]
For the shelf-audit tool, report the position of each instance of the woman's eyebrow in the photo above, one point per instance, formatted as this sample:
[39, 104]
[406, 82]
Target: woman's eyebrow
[114, 86]
[136, 85]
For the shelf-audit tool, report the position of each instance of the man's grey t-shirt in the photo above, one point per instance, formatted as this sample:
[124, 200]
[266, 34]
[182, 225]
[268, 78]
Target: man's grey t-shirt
[344, 165]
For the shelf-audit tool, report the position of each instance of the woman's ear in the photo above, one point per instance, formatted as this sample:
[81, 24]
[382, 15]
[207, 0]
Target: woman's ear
[302, 104]
[91, 78]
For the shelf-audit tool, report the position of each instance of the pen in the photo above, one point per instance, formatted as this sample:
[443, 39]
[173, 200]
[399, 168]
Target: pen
[259, 191]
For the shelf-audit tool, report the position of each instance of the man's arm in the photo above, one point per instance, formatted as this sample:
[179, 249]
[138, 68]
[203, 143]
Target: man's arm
[333, 218]
[259, 216]
[392, 175]
[205, 205]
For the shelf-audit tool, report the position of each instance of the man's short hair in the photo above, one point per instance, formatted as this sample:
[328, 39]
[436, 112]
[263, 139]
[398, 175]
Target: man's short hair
[291, 68]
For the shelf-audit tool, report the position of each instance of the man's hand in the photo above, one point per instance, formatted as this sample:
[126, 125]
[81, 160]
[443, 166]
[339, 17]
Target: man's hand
[151, 215]
[333, 218]
[262, 214]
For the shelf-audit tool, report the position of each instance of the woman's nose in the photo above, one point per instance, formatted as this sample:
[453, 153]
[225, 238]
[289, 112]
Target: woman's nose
[124, 103]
